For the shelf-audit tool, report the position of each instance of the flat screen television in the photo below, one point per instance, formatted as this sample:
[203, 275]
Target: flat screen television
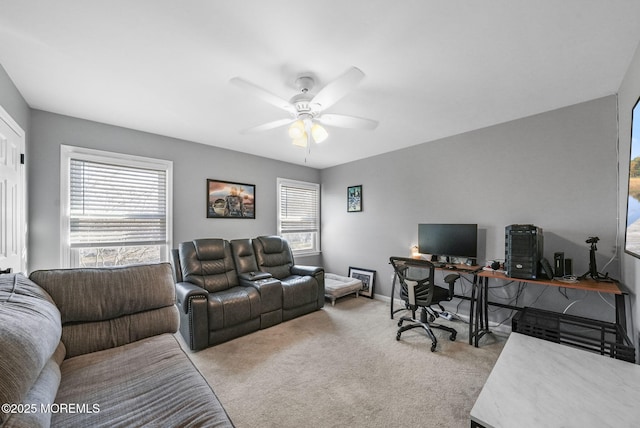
[449, 240]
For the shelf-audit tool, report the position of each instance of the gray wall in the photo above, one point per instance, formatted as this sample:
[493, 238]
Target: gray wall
[13, 102]
[192, 165]
[556, 170]
[627, 96]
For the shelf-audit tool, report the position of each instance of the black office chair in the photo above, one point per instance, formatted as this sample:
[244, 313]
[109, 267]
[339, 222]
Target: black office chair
[418, 290]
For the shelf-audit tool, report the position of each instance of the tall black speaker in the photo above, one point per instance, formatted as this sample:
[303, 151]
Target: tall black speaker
[523, 250]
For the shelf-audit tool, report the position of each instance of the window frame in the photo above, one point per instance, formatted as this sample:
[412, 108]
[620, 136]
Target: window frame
[302, 185]
[68, 152]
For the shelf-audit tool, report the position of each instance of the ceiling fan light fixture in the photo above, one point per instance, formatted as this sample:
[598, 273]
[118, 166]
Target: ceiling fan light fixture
[302, 141]
[296, 130]
[306, 108]
[318, 133]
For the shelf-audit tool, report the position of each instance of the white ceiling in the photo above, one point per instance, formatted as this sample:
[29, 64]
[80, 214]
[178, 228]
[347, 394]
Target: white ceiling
[433, 68]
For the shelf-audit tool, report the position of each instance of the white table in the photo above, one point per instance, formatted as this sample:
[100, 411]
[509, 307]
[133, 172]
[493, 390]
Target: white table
[536, 383]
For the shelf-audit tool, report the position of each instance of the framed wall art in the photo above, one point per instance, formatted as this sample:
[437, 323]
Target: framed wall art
[632, 241]
[368, 278]
[226, 199]
[354, 198]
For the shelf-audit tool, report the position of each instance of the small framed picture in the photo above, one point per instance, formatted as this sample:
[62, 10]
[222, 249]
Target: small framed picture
[354, 198]
[368, 278]
[226, 199]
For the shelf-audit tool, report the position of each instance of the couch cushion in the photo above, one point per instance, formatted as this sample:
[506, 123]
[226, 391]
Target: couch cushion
[146, 383]
[210, 249]
[243, 256]
[82, 338]
[30, 331]
[106, 307]
[272, 244]
[273, 255]
[232, 307]
[208, 263]
[96, 294]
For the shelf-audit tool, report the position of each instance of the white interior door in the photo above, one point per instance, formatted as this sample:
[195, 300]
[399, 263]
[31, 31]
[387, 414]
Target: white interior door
[13, 250]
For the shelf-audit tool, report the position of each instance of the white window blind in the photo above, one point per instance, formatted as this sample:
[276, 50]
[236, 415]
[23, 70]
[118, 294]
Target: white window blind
[116, 208]
[115, 205]
[299, 215]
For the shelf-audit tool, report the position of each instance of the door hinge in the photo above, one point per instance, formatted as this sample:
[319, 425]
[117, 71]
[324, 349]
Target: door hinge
[22, 158]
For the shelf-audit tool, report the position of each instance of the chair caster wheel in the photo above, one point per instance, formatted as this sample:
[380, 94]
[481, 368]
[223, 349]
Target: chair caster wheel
[400, 323]
[398, 336]
[452, 337]
[433, 347]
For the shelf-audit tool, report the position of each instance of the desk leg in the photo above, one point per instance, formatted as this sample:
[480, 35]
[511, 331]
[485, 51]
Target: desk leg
[485, 307]
[472, 329]
[621, 314]
[479, 313]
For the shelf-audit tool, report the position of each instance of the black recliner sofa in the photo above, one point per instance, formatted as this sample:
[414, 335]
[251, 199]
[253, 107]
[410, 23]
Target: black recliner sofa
[228, 289]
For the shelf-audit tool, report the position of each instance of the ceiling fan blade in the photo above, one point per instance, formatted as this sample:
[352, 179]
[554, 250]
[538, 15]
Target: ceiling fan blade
[342, 121]
[338, 88]
[263, 94]
[268, 125]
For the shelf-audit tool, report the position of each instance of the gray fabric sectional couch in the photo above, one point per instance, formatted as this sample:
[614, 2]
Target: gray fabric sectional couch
[96, 347]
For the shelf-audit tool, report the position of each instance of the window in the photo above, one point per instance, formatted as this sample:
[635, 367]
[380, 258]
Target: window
[299, 215]
[116, 209]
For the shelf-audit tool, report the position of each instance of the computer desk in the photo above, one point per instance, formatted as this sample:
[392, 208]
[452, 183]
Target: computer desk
[479, 299]
[479, 317]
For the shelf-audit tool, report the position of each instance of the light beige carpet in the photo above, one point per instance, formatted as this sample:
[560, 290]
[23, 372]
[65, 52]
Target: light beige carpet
[342, 367]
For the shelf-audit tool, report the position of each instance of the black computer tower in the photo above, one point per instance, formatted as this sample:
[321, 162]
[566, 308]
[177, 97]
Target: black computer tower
[523, 251]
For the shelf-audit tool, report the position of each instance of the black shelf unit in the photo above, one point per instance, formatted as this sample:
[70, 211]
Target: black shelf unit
[592, 335]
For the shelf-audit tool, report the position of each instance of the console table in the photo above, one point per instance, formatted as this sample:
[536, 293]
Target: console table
[536, 383]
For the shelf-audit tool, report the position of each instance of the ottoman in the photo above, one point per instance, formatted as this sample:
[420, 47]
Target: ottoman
[336, 286]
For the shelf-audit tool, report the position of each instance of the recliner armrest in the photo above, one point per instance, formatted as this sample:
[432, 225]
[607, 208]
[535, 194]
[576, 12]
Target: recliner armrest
[306, 270]
[317, 273]
[187, 290]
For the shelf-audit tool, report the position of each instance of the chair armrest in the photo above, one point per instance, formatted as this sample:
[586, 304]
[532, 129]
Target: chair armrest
[451, 280]
[306, 270]
[186, 291]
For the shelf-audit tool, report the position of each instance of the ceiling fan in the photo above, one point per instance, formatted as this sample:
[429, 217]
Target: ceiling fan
[306, 109]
